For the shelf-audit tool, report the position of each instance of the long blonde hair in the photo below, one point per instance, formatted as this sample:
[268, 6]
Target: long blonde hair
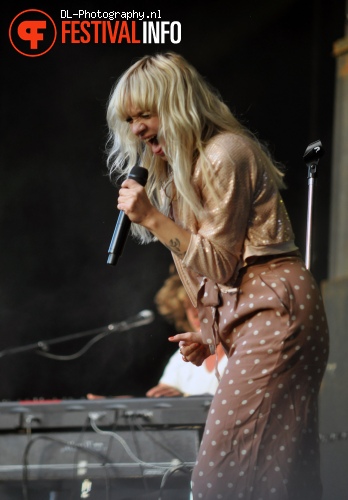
[190, 113]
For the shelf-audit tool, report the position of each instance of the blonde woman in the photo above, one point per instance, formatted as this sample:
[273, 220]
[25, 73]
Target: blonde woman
[213, 198]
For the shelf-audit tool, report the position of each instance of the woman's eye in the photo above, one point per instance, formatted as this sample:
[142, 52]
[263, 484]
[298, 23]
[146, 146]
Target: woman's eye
[143, 116]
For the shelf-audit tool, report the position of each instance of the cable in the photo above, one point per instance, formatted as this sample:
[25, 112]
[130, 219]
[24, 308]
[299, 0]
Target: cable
[78, 354]
[126, 447]
[162, 445]
[25, 478]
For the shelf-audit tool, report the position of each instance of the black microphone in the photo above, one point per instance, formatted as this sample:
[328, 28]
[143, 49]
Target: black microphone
[139, 174]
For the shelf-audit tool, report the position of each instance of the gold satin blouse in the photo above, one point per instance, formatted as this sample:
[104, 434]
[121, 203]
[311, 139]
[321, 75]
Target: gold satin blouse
[249, 219]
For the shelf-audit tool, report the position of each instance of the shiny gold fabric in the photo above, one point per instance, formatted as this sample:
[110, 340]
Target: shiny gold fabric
[248, 220]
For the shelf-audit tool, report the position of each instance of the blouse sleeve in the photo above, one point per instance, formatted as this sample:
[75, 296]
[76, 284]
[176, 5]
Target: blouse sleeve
[215, 250]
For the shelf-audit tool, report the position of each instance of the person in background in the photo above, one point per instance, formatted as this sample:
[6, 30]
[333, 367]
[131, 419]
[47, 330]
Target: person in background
[184, 379]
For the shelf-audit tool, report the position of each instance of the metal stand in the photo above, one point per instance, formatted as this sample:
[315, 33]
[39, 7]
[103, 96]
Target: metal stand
[311, 157]
[42, 346]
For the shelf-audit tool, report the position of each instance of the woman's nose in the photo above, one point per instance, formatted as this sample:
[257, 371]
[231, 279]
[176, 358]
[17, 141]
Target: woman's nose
[137, 127]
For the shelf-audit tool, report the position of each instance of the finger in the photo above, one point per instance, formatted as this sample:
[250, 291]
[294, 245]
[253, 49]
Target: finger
[130, 183]
[181, 337]
[187, 350]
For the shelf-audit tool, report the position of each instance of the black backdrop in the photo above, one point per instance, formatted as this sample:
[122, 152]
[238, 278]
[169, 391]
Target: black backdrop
[272, 62]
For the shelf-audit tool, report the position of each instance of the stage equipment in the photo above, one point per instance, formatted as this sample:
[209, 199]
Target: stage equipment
[43, 346]
[100, 443]
[311, 158]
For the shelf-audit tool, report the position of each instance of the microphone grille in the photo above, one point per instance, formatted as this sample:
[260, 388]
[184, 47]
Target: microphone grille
[147, 314]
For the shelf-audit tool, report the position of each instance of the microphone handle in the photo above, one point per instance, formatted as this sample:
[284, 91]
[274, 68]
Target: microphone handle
[118, 240]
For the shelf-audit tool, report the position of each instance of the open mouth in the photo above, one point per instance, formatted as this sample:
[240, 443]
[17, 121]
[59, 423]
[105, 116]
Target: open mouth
[155, 145]
[152, 140]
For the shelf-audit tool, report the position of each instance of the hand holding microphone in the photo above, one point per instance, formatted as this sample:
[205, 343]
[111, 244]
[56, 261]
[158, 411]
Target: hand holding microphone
[138, 174]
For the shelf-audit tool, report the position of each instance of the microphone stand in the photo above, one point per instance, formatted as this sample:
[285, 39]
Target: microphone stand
[42, 346]
[311, 157]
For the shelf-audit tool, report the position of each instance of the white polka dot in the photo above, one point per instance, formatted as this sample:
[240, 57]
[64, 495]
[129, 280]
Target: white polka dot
[205, 320]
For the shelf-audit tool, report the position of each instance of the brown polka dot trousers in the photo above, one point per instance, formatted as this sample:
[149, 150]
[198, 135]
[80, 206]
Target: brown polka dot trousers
[261, 437]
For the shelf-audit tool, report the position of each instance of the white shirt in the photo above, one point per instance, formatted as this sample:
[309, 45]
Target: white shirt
[190, 379]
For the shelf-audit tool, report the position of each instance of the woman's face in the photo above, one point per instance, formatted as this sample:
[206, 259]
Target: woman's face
[145, 126]
[192, 315]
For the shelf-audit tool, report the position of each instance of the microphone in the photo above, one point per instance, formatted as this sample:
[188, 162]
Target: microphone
[313, 153]
[138, 174]
[142, 318]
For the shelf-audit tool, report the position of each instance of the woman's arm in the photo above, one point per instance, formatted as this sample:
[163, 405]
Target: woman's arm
[213, 248]
[134, 202]
[192, 347]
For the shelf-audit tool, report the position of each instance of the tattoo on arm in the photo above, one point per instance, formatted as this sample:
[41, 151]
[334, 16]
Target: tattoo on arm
[174, 246]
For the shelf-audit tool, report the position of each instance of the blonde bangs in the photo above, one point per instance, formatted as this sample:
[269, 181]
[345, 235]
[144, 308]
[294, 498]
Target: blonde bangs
[134, 91]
